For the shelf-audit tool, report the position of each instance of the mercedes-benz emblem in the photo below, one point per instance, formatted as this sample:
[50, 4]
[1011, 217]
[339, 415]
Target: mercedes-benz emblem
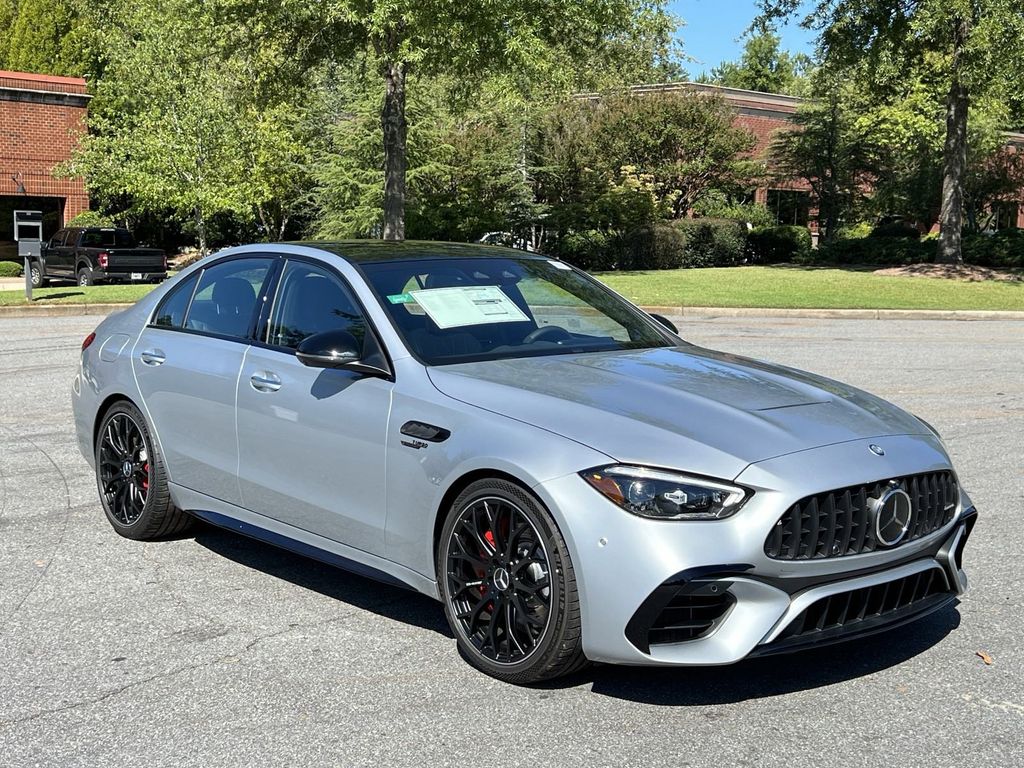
[876, 449]
[501, 579]
[892, 516]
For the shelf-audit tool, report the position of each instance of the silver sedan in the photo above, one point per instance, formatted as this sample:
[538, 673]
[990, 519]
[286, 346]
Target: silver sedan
[501, 432]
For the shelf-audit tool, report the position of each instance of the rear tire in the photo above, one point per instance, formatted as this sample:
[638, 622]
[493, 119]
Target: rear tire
[85, 277]
[132, 479]
[508, 585]
[36, 274]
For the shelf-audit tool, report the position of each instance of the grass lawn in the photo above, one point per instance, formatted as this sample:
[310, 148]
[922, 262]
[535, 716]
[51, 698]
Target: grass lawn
[785, 287]
[816, 288]
[73, 294]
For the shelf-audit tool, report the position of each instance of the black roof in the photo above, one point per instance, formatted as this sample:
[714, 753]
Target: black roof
[364, 251]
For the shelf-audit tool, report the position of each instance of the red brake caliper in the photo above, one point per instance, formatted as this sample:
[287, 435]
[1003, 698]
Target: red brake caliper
[489, 537]
[145, 480]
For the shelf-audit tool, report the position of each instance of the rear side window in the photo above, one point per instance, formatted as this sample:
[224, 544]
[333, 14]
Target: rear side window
[226, 297]
[171, 312]
[108, 238]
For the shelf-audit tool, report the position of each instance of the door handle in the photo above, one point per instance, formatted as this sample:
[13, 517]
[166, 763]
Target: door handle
[153, 357]
[265, 381]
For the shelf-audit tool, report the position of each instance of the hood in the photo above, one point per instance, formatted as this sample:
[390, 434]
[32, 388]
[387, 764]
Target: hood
[685, 408]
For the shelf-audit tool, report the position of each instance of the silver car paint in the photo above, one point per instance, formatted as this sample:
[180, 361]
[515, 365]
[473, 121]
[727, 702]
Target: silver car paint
[783, 433]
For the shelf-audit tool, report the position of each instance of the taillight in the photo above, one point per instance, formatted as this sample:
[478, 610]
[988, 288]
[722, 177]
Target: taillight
[103, 259]
[88, 340]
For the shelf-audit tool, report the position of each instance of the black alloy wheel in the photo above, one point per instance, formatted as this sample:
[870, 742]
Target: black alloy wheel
[124, 469]
[132, 479]
[508, 587]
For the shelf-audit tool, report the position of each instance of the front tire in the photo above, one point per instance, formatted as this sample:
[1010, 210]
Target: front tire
[132, 479]
[508, 586]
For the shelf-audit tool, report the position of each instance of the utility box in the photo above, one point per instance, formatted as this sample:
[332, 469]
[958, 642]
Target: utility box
[28, 233]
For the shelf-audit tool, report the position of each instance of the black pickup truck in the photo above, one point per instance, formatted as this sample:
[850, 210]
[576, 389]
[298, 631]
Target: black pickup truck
[89, 255]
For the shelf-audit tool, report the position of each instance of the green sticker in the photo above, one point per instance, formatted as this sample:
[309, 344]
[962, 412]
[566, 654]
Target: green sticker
[401, 298]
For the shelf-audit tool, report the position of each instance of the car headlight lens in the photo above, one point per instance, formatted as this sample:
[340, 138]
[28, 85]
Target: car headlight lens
[662, 495]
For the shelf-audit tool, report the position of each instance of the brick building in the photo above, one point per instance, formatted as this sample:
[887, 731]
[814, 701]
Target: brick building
[40, 119]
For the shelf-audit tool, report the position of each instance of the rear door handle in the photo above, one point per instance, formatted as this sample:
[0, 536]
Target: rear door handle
[265, 381]
[153, 357]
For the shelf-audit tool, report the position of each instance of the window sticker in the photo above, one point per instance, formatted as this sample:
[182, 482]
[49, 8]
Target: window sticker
[401, 298]
[468, 305]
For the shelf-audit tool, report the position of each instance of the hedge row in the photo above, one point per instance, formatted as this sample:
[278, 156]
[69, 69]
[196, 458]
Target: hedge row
[1002, 250]
[682, 244]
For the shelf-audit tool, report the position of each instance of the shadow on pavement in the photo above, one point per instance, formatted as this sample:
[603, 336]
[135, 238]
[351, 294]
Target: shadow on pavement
[383, 599]
[771, 675]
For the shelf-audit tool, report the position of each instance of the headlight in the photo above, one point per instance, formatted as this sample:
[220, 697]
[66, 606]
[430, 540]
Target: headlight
[662, 495]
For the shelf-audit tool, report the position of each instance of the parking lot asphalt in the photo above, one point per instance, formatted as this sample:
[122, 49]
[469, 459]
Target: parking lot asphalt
[215, 650]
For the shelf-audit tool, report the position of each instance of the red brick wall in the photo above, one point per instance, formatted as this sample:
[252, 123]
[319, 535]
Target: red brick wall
[36, 137]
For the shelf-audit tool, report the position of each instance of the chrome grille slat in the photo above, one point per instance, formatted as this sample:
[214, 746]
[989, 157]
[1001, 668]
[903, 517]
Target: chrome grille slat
[839, 523]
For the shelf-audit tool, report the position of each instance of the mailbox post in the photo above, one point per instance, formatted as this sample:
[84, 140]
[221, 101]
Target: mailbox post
[28, 233]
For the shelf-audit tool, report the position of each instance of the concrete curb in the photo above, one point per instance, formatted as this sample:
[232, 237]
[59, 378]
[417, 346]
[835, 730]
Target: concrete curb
[67, 310]
[60, 310]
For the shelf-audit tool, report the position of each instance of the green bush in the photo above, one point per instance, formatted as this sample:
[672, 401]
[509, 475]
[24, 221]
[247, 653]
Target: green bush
[90, 219]
[653, 246]
[712, 242]
[773, 245]
[882, 251]
[898, 229]
[1003, 250]
[716, 205]
[853, 231]
[593, 250]
[10, 269]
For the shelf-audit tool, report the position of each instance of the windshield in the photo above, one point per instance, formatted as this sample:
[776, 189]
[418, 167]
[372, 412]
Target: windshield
[108, 238]
[460, 310]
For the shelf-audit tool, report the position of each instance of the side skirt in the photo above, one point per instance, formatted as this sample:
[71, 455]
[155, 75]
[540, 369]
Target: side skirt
[278, 534]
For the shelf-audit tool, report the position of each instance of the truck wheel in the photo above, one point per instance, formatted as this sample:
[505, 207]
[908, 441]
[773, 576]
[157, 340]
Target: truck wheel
[85, 277]
[38, 281]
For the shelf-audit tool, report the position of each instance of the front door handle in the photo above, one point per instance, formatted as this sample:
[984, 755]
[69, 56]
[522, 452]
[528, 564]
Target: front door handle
[265, 381]
[153, 357]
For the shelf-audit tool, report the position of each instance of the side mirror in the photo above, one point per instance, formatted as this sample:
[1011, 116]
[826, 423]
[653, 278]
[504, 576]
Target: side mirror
[666, 322]
[337, 349]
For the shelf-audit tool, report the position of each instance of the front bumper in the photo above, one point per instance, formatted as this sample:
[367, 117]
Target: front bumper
[714, 581]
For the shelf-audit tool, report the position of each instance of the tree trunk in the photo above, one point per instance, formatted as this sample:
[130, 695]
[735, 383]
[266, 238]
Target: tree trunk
[392, 119]
[200, 229]
[954, 156]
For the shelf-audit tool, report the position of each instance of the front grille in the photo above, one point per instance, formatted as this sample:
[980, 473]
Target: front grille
[839, 523]
[878, 604]
[687, 617]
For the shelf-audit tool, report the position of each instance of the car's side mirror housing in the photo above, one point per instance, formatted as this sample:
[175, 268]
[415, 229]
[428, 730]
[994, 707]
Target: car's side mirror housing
[665, 322]
[338, 349]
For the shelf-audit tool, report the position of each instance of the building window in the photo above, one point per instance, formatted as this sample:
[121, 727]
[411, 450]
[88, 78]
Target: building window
[790, 206]
[1005, 214]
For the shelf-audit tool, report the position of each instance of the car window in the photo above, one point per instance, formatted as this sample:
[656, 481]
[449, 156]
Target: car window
[171, 312]
[108, 238]
[58, 239]
[311, 300]
[226, 297]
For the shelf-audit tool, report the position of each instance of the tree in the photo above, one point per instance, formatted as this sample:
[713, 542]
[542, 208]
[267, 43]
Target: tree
[983, 41]
[186, 118]
[763, 67]
[826, 148]
[464, 41]
[618, 162]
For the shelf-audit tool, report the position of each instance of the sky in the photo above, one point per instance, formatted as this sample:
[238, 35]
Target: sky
[713, 28]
